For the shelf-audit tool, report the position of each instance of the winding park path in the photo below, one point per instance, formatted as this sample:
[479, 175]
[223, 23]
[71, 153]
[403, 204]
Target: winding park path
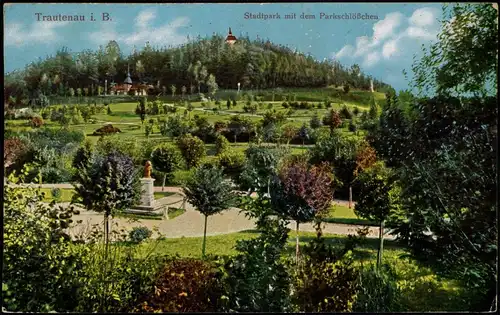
[191, 222]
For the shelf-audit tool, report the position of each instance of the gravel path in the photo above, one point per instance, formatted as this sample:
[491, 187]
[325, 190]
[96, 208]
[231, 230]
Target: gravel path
[190, 223]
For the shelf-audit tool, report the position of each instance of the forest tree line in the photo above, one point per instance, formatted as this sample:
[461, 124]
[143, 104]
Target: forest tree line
[256, 64]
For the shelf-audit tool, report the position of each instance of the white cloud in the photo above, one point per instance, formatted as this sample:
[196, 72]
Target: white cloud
[166, 34]
[144, 17]
[347, 50]
[371, 59]
[390, 48]
[394, 36]
[17, 34]
[363, 46]
[424, 17]
[417, 32]
[385, 28]
[381, 30]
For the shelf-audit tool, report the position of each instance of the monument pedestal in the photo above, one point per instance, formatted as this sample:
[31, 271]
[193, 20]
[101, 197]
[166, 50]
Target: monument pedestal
[148, 205]
[147, 192]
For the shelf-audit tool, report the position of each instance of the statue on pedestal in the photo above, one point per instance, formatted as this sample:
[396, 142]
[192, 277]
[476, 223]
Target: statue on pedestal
[147, 169]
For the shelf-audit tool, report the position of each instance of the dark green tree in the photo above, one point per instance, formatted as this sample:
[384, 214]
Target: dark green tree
[378, 199]
[210, 193]
[166, 159]
[192, 149]
[109, 184]
[448, 177]
[141, 109]
[315, 122]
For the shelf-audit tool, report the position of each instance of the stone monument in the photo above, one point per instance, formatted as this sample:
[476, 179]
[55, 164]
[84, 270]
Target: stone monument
[148, 204]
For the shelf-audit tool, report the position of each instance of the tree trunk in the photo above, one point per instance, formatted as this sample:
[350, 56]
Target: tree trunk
[105, 262]
[350, 197]
[163, 184]
[106, 233]
[269, 187]
[297, 243]
[381, 244]
[204, 238]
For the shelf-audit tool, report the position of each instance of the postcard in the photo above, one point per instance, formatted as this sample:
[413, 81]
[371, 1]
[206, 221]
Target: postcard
[250, 157]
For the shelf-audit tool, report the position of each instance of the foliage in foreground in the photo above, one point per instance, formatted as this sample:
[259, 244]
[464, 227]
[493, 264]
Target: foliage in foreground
[35, 240]
[325, 280]
[256, 279]
[185, 285]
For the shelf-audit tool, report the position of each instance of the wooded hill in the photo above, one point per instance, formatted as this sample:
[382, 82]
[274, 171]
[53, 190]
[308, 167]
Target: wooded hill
[255, 64]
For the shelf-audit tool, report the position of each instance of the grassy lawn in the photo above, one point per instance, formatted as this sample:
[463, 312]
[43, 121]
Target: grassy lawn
[163, 194]
[172, 213]
[224, 245]
[175, 212]
[66, 194]
[342, 214]
[134, 216]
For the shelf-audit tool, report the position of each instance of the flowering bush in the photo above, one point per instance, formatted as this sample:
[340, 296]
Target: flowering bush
[36, 122]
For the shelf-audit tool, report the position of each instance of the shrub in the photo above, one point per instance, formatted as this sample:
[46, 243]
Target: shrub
[355, 111]
[192, 149]
[139, 234]
[327, 287]
[14, 150]
[346, 88]
[176, 126]
[106, 130]
[127, 146]
[56, 193]
[315, 122]
[45, 115]
[41, 267]
[76, 117]
[352, 126]
[232, 162]
[116, 282]
[285, 105]
[256, 278]
[185, 285]
[325, 281]
[147, 130]
[83, 156]
[23, 113]
[377, 291]
[55, 173]
[221, 144]
[166, 159]
[36, 122]
[219, 126]
[345, 113]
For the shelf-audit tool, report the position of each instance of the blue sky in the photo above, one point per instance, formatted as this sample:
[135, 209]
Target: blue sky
[382, 46]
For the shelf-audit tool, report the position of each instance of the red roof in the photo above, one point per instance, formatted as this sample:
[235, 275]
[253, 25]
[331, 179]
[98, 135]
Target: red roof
[118, 88]
[230, 36]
